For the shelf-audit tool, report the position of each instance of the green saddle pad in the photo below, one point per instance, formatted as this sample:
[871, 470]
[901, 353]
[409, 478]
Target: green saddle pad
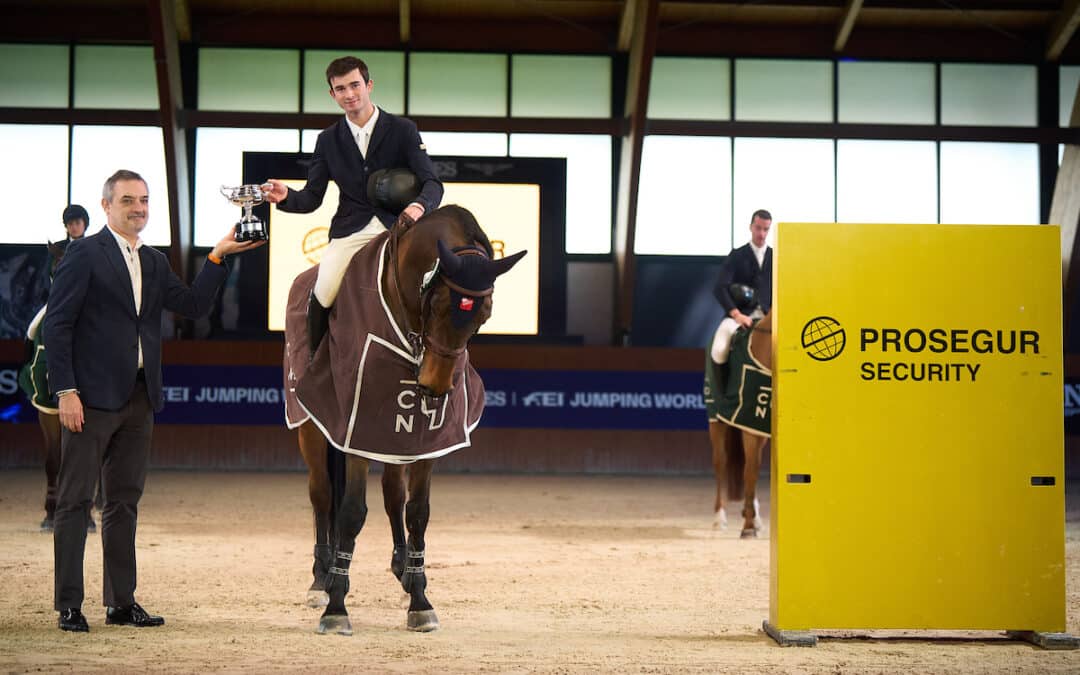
[739, 392]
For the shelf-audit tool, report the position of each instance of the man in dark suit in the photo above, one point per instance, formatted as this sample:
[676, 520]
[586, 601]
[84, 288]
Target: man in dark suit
[103, 347]
[348, 152]
[751, 266]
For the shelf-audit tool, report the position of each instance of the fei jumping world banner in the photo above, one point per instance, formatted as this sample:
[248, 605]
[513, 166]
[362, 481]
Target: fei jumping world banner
[253, 395]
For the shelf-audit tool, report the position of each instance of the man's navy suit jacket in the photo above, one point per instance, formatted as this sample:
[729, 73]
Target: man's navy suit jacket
[92, 331]
[741, 267]
[395, 144]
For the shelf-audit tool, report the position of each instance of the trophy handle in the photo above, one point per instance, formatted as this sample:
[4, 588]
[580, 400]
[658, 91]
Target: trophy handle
[226, 191]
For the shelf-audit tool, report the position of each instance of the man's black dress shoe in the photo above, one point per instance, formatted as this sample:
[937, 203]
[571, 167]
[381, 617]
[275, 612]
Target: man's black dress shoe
[133, 615]
[73, 620]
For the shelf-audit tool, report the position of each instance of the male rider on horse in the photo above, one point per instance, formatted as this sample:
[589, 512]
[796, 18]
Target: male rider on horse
[367, 139]
[744, 287]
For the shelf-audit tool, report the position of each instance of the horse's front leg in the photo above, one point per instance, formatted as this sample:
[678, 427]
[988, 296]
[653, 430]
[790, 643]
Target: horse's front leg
[393, 489]
[349, 520]
[313, 448]
[752, 445]
[421, 615]
[717, 437]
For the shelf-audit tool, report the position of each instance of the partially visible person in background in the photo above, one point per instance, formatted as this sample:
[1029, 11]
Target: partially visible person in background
[34, 381]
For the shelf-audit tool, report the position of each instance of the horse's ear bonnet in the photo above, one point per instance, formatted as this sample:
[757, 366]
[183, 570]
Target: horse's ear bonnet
[744, 297]
[393, 189]
[470, 274]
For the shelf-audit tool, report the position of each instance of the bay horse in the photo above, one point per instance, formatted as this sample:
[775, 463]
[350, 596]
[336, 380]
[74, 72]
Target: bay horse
[436, 279]
[736, 454]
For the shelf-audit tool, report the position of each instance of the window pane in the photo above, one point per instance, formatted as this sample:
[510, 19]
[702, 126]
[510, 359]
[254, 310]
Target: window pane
[34, 76]
[308, 138]
[34, 216]
[886, 93]
[783, 90]
[676, 172]
[240, 79]
[588, 184]
[1068, 79]
[98, 152]
[447, 83]
[791, 178]
[219, 155]
[886, 182]
[988, 94]
[464, 143]
[990, 183]
[561, 86]
[690, 89]
[97, 84]
[387, 71]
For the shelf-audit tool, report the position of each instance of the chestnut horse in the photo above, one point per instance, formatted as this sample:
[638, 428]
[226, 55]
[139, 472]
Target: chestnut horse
[440, 315]
[736, 454]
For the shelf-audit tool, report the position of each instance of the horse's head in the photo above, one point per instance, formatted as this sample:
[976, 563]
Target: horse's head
[455, 302]
[56, 254]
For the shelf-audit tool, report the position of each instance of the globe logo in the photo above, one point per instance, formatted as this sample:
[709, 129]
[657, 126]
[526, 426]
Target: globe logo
[823, 338]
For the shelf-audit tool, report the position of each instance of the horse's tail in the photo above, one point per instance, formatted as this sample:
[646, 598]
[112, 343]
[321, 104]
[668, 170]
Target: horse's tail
[736, 462]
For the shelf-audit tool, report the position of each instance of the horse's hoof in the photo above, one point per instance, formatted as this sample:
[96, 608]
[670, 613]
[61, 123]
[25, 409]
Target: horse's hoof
[423, 621]
[318, 598]
[335, 623]
[748, 533]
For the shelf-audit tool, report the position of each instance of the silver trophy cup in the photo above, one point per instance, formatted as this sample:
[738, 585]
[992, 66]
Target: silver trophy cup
[248, 197]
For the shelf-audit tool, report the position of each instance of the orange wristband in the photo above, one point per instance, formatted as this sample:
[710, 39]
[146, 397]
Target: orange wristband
[213, 258]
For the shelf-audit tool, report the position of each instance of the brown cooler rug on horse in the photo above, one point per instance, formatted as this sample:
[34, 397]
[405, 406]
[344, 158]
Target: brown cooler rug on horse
[360, 388]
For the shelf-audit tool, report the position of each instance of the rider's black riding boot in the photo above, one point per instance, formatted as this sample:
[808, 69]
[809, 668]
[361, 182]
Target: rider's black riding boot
[318, 320]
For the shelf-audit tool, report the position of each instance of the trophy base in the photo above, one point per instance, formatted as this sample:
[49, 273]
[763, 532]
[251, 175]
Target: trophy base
[249, 234]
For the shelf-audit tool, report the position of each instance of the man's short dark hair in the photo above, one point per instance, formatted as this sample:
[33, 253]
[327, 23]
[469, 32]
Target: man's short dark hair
[122, 174]
[344, 66]
[760, 213]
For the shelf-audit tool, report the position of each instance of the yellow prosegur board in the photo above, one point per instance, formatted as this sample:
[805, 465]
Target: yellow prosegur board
[508, 212]
[919, 386]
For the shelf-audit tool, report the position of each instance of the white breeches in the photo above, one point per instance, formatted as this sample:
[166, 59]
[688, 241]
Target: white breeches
[336, 259]
[721, 342]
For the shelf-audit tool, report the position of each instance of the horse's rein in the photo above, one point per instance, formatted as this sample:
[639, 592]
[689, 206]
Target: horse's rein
[415, 339]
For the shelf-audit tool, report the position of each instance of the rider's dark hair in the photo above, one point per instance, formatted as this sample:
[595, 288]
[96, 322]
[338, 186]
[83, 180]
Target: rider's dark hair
[344, 66]
[760, 213]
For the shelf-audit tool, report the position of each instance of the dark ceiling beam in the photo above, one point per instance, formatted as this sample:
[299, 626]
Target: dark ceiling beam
[162, 14]
[183, 20]
[639, 73]
[626, 26]
[1062, 31]
[403, 21]
[507, 125]
[847, 22]
[900, 132]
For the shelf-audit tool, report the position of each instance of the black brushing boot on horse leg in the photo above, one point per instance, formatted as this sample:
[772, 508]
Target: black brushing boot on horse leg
[421, 617]
[349, 520]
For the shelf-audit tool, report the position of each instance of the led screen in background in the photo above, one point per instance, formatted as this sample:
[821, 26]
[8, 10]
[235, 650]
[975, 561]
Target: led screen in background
[508, 212]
